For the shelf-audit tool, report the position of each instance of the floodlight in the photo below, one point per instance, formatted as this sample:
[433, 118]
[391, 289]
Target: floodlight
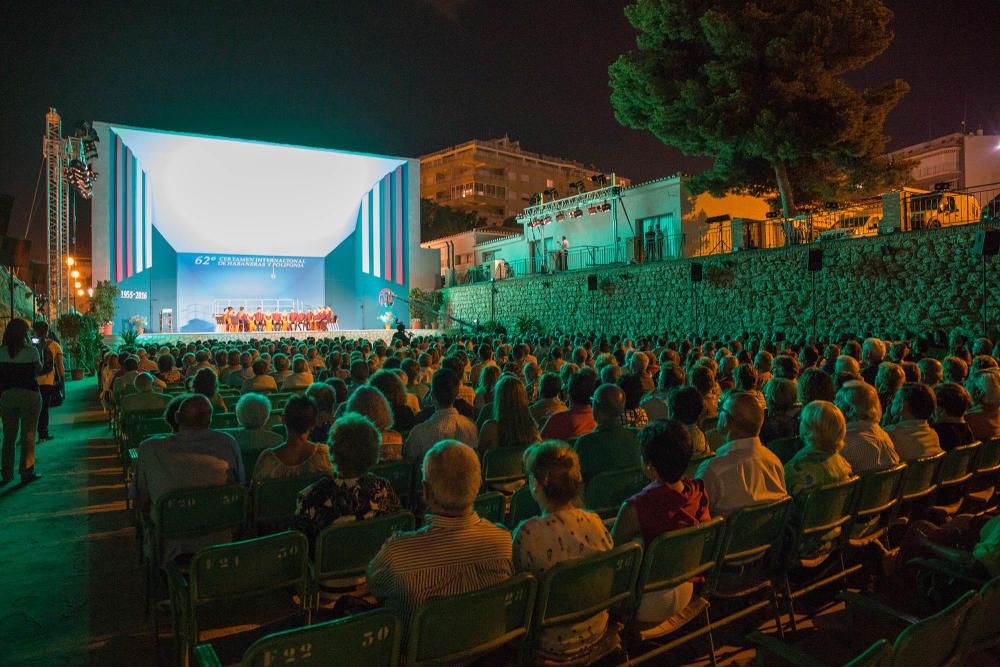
[560, 217]
[578, 186]
[577, 213]
[599, 180]
[592, 209]
[605, 206]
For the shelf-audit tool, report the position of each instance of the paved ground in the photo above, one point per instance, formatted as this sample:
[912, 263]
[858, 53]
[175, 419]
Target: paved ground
[71, 583]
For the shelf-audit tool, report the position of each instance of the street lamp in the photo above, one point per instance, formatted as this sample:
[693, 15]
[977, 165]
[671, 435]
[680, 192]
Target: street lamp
[70, 261]
[75, 274]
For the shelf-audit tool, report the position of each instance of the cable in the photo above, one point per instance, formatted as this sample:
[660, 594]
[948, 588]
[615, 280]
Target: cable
[34, 198]
[627, 218]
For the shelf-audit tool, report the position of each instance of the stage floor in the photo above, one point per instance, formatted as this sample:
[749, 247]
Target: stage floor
[352, 334]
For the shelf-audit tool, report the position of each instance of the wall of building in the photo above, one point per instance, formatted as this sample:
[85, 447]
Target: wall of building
[884, 285]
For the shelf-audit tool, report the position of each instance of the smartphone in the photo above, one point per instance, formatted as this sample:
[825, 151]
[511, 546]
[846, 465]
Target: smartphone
[35, 341]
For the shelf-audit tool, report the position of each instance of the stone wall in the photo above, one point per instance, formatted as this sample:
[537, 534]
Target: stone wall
[886, 285]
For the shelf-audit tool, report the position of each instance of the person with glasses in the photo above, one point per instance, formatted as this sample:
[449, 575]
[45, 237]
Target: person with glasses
[744, 472]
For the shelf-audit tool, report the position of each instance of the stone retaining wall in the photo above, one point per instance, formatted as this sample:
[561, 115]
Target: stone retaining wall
[886, 285]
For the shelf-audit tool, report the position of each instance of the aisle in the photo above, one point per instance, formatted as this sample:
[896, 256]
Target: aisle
[69, 575]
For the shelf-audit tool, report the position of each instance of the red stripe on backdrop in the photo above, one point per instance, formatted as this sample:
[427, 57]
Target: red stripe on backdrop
[129, 211]
[119, 194]
[387, 228]
[397, 216]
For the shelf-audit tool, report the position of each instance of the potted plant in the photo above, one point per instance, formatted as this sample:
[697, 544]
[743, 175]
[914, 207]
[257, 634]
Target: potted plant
[102, 304]
[71, 327]
[139, 322]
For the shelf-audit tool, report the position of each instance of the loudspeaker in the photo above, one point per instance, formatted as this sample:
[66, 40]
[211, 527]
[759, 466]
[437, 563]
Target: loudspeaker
[6, 204]
[814, 261]
[15, 252]
[695, 272]
[39, 272]
[592, 283]
[987, 242]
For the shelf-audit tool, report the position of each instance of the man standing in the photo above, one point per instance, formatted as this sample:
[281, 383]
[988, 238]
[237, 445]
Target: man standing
[52, 377]
[564, 254]
[242, 319]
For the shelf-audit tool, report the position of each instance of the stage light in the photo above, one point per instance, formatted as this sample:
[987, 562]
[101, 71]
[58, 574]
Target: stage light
[560, 217]
[578, 186]
[599, 180]
[592, 209]
[578, 213]
[547, 220]
[70, 261]
[535, 199]
[551, 193]
[75, 274]
[605, 206]
[79, 292]
[77, 284]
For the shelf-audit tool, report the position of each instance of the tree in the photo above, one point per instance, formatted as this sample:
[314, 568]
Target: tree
[758, 86]
[437, 220]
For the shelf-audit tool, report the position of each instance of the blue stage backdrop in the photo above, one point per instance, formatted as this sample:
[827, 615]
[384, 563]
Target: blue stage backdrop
[206, 283]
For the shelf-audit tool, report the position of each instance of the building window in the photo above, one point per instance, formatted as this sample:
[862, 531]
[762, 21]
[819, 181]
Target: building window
[439, 177]
[477, 189]
[442, 196]
[512, 175]
[549, 183]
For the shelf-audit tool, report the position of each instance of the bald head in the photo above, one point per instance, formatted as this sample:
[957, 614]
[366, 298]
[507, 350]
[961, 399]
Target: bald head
[609, 404]
[743, 416]
[195, 413]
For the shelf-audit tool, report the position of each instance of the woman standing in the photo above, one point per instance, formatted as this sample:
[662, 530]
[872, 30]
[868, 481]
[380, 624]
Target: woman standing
[20, 401]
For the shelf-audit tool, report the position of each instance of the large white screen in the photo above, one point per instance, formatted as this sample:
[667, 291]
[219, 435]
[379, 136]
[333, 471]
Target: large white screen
[216, 195]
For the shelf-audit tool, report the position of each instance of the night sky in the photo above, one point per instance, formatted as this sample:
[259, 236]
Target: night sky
[407, 77]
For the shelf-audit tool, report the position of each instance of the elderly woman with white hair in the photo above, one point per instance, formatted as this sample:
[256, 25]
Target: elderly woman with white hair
[822, 428]
[252, 413]
[872, 354]
[866, 445]
[984, 415]
[300, 377]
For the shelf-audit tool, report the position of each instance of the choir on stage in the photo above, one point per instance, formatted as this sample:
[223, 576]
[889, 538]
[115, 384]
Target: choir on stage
[320, 319]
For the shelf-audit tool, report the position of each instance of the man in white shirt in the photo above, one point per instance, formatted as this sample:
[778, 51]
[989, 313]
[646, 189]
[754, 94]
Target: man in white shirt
[744, 472]
[144, 397]
[146, 364]
[866, 445]
[445, 424]
[194, 457]
[911, 434]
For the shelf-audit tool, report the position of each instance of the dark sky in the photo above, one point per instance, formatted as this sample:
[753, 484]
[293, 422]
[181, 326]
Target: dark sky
[408, 76]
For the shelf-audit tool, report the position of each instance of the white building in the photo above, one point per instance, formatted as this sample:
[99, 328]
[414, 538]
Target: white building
[458, 251]
[958, 160]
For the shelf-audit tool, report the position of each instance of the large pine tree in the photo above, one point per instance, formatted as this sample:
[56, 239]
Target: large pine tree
[758, 86]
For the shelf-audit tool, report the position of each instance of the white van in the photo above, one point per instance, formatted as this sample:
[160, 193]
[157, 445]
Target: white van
[941, 209]
[851, 227]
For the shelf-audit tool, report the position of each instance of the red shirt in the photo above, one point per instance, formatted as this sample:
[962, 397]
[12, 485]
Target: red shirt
[661, 509]
[577, 421]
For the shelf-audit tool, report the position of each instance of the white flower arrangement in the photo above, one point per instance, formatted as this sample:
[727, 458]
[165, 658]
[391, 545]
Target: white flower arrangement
[138, 321]
[386, 317]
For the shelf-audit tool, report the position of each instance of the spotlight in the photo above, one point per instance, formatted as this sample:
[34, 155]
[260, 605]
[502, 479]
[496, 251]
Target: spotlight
[592, 209]
[605, 206]
[79, 292]
[578, 186]
[577, 213]
[77, 284]
[942, 185]
[831, 205]
[551, 193]
[599, 180]
[547, 220]
[560, 217]
[535, 199]
[770, 215]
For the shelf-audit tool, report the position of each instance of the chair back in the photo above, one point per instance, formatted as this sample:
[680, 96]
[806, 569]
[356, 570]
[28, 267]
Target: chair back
[753, 533]
[877, 495]
[280, 430]
[371, 639]
[135, 425]
[461, 627]
[575, 590]
[522, 506]
[606, 491]
[981, 624]
[680, 555]
[490, 506]
[235, 570]
[400, 476]
[503, 465]
[826, 508]
[344, 549]
[224, 420]
[957, 466]
[696, 463]
[276, 417]
[274, 500]
[988, 461]
[933, 640]
[878, 654]
[785, 448]
[194, 512]
[279, 399]
[919, 478]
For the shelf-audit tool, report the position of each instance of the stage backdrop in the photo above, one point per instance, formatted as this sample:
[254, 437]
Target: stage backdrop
[186, 224]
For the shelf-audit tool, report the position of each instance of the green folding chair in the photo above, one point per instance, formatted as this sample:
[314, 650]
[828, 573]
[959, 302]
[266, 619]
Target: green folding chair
[670, 560]
[785, 448]
[371, 639]
[460, 628]
[878, 654]
[224, 420]
[274, 502]
[280, 430]
[344, 550]
[228, 575]
[503, 465]
[917, 489]
[953, 476]
[606, 491]
[576, 590]
[400, 476]
[929, 642]
[491, 506]
[276, 417]
[874, 504]
[522, 506]
[816, 543]
[188, 513]
[981, 493]
[749, 558]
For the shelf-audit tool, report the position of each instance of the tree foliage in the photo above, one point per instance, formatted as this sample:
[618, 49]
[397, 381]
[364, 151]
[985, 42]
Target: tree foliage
[437, 220]
[758, 86]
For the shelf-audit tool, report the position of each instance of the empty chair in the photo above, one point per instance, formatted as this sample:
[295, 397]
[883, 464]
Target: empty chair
[878, 654]
[606, 492]
[491, 506]
[274, 502]
[503, 468]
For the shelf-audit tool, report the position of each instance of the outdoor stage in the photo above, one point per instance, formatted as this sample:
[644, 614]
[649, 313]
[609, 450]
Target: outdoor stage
[234, 337]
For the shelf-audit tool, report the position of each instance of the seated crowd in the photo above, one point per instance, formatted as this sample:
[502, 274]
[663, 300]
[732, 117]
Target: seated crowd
[754, 419]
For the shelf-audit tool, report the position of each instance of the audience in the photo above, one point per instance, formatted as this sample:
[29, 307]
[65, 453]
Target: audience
[369, 402]
[206, 383]
[297, 456]
[908, 426]
[261, 381]
[510, 424]
[300, 377]
[782, 419]
[984, 415]
[633, 416]
[953, 401]
[743, 472]
[252, 414]
[685, 404]
[444, 424]
[455, 551]
[610, 446]
[549, 402]
[822, 428]
[144, 398]
[562, 532]
[866, 445]
[578, 419]
[392, 387]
